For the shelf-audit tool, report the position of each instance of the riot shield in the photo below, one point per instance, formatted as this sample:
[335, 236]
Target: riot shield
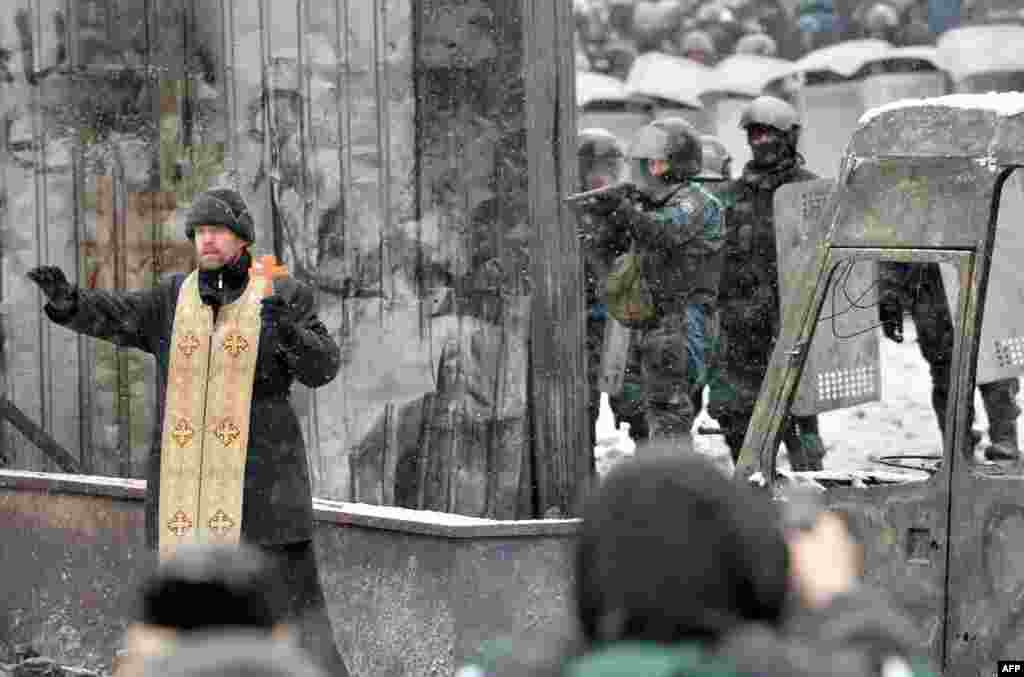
[907, 73]
[598, 87]
[668, 78]
[843, 58]
[725, 112]
[973, 50]
[614, 356]
[1001, 350]
[830, 113]
[838, 373]
[623, 120]
[603, 103]
[878, 90]
[746, 74]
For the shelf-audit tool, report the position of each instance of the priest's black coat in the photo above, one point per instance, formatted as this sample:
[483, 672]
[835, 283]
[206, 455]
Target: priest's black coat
[277, 499]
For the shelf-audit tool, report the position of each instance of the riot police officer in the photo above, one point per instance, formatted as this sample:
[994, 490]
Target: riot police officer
[673, 232]
[917, 289]
[716, 165]
[749, 295]
[601, 161]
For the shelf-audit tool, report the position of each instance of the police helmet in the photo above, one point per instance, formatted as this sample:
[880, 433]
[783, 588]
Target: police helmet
[597, 142]
[881, 17]
[697, 41]
[770, 111]
[673, 140]
[717, 160]
[715, 13]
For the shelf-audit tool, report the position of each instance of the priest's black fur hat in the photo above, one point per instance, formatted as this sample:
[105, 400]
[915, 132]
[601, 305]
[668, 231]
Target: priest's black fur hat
[221, 207]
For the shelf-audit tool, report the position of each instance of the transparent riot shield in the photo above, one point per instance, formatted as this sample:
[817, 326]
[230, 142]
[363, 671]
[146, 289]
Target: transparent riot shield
[725, 112]
[843, 368]
[829, 113]
[1001, 353]
[621, 118]
[878, 90]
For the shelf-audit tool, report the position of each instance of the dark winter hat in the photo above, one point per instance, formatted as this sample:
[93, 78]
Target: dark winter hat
[235, 586]
[221, 207]
[671, 549]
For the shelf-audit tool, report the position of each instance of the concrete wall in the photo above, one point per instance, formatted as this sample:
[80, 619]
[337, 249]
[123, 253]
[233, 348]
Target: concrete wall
[410, 592]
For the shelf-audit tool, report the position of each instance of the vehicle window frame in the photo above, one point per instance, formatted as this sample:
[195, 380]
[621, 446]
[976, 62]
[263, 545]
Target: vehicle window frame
[829, 261]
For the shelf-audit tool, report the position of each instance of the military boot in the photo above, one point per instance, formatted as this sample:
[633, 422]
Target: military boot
[807, 427]
[800, 455]
[1000, 399]
[1004, 447]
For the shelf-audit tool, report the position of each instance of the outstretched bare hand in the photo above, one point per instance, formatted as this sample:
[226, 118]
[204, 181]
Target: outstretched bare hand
[825, 560]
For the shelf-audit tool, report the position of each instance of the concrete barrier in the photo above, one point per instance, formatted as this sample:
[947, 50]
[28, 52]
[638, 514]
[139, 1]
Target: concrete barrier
[410, 592]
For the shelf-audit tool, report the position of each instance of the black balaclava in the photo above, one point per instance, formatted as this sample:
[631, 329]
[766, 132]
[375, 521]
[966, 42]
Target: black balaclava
[673, 550]
[777, 147]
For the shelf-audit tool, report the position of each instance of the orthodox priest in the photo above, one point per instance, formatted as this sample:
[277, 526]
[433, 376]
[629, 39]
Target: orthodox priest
[228, 461]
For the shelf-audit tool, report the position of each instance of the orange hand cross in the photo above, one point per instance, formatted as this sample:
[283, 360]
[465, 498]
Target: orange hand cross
[267, 268]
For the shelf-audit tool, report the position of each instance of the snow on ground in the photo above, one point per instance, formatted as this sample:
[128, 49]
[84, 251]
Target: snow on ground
[903, 423]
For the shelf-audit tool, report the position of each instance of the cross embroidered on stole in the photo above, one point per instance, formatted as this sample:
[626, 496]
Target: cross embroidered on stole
[206, 417]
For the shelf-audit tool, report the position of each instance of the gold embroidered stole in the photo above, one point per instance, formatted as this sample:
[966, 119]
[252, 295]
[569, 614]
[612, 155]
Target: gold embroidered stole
[206, 418]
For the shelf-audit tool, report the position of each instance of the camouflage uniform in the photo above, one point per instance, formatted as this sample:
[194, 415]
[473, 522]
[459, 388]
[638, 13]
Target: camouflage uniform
[598, 258]
[750, 313]
[680, 239]
[600, 153]
[917, 288]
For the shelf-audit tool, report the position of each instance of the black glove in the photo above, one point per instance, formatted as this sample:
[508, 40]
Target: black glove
[51, 280]
[606, 205]
[278, 317]
[891, 315]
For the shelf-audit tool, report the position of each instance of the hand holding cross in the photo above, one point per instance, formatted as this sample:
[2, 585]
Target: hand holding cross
[267, 268]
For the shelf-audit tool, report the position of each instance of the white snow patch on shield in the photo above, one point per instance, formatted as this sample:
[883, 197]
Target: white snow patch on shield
[1001, 103]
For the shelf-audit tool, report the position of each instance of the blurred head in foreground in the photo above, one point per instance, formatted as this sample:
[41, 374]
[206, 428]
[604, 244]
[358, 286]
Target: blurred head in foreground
[673, 550]
[202, 590]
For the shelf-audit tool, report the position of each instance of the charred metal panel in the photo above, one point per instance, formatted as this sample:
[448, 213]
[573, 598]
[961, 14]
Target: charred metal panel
[986, 571]
[924, 203]
[903, 531]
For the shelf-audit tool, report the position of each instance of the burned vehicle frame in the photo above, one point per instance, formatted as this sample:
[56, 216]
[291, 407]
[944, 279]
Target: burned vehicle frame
[921, 181]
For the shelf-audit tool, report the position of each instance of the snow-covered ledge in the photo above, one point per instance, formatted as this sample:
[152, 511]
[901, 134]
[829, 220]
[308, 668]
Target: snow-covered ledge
[424, 522]
[409, 592]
